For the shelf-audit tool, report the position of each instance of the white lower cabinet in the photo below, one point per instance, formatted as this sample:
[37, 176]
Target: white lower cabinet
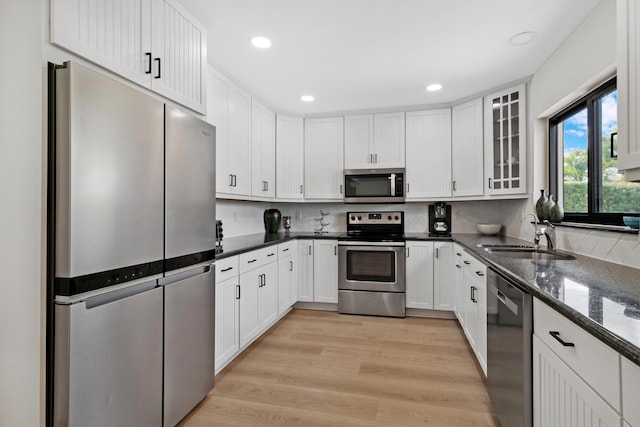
[227, 314]
[630, 392]
[305, 271]
[561, 397]
[419, 271]
[443, 276]
[287, 271]
[325, 270]
[458, 279]
[249, 325]
[268, 296]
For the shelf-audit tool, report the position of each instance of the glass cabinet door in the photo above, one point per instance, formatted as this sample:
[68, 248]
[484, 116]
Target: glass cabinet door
[505, 137]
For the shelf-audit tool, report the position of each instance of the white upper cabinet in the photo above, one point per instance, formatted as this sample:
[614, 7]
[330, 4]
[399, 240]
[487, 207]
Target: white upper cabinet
[229, 110]
[155, 43]
[374, 141]
[289, 158]
[358, 142]
[628, 27]
[467, 149]
[505, 130]
[388, 140]
[323, 158]
[263, 151]
[428, 148]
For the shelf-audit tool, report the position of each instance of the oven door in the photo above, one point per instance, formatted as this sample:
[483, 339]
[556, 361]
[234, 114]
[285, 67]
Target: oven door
[371, 266]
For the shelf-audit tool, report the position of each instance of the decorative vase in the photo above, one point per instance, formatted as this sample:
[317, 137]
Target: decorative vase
[540, 205]
[546, 210]
[556, 213]
[272, 218]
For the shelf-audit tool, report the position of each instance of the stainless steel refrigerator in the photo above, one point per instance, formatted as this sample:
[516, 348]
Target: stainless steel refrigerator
[134, 214]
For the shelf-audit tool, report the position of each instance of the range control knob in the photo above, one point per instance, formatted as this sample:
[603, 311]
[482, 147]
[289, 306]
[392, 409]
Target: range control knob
[397, 217]
[359, 217]
[353, 218]
[389, 218]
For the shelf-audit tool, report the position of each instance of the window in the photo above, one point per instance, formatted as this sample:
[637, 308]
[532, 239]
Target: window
[583, 167]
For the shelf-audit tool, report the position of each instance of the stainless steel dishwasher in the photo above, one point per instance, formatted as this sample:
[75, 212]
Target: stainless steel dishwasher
[509, 328]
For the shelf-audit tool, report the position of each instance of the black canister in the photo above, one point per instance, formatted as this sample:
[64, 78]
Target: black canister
[272, 219]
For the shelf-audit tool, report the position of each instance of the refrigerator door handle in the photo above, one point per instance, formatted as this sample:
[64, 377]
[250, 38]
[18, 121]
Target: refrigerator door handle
[122, 293]
[178, 277]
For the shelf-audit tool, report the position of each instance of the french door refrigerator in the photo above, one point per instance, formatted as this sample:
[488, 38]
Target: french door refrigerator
[132, 258]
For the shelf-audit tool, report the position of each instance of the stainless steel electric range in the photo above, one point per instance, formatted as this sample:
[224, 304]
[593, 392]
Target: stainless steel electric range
[371, 264]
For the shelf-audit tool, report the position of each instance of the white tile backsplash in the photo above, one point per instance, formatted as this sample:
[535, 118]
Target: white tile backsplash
[241, 217]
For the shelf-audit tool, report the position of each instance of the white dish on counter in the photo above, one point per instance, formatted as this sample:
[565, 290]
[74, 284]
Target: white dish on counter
[489, 228]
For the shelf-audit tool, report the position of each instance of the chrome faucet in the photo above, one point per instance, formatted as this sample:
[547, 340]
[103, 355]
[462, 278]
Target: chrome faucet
[550, 234]
[537, 233]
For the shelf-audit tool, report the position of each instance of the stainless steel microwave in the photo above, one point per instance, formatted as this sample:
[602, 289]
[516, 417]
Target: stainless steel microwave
[374, 185]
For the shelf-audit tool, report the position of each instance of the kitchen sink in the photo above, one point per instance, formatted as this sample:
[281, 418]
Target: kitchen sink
[501, 246]
[528, 253]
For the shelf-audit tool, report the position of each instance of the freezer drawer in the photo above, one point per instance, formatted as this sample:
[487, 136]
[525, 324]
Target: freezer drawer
[108, 359]
[189, 318]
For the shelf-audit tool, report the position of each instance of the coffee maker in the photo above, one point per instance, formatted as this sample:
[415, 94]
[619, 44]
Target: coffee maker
[440, 218]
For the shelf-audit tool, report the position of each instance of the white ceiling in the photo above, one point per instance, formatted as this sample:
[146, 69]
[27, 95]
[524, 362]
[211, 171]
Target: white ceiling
[376, 54]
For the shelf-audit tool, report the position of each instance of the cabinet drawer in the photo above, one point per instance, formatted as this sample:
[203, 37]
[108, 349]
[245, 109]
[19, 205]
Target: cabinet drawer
[226, 268]
[594, 361]
[258, 258]
[287, 249]
[630, 392]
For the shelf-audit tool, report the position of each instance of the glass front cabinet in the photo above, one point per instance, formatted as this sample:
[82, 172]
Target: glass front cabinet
[505, 141]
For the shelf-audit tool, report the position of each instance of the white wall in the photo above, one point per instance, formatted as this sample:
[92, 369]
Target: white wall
[21, 215]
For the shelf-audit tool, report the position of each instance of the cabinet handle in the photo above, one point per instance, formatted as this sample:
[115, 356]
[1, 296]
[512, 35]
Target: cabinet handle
[300, 188]
[290, 265]
[458, 266]
[264, 280]
[375, 158]
[340, 188]
[335, 250]
[408, 252]
[285, 249]
[458, 253]
[309, 250]
[437, 253]
[157, 76]
[226, 269]
[453, 184]
[490, 183]
[370, 158]
[230, 180]
[271, 254]
[235, 180]
[556, 335]
[251, 261]
[473, 294]
[479, 273]
[267, 185]
[466, 262]
[407, 187]
[237, 291]
[148, 70]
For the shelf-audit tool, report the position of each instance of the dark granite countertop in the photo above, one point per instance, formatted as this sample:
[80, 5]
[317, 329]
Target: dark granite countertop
[601, 297]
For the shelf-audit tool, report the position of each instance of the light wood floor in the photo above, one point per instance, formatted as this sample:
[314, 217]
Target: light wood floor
[319, 368]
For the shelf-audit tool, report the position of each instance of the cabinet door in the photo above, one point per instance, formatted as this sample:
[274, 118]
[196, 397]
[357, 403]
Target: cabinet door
[218, 115]
[443, 276]
[305, 271]
[179, 46]
[428, 149]
[388, 143]
[268, 296]
[358, 142]
[630, 391]
[459, 293]
[325, 272]
[263, 145]
[249, 324]
[505, 138]
[628, 25]
[323, 165]
[116, 35]
[480, 296]
[227, 322]
[285, 279]
[239, 141]
[562, 398]
[419, 270]
[467, 168]
[289, 158]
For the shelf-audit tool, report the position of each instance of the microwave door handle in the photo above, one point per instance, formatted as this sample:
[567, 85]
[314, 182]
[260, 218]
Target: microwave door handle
[393, 184]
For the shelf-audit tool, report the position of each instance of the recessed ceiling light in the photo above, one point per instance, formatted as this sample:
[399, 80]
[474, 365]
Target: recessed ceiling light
[434, 87]
[523, 38]
[260, 42]
[307, 98]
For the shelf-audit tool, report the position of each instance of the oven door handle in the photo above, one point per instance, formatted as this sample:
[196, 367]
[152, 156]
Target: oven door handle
[392, 244]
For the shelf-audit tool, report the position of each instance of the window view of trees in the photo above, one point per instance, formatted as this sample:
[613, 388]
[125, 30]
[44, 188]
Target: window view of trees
[584, 137]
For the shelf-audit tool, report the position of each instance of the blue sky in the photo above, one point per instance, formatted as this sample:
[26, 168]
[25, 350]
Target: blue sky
[575, 128]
